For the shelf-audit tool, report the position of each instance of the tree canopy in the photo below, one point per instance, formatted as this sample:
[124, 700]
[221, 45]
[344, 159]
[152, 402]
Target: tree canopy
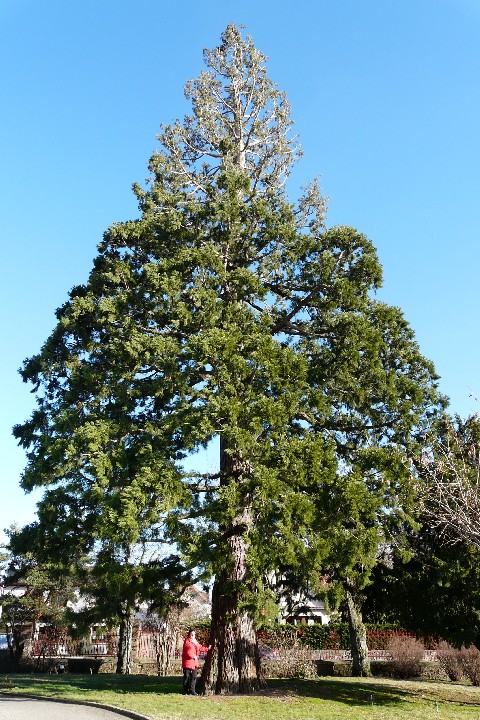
[228, 310]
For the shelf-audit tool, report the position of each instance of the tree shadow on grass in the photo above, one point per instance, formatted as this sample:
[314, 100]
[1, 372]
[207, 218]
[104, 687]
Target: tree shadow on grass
[114, 683]
[338, 691]
[348, 693]
[353, 692]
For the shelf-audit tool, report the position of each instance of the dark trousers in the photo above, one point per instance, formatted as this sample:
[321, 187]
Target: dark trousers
[189, 680]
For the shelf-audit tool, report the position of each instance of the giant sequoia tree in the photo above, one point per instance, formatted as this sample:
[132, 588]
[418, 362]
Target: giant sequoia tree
[225, 311]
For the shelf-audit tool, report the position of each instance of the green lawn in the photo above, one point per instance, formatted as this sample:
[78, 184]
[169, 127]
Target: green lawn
[322, 699]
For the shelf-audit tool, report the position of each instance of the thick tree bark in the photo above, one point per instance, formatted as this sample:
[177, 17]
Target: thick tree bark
[125, 637]
[232, 665]
[358, 637]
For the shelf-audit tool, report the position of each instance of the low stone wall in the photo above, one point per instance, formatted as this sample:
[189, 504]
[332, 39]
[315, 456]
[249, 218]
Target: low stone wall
[336, 655]
[81, 665]
[431, 669]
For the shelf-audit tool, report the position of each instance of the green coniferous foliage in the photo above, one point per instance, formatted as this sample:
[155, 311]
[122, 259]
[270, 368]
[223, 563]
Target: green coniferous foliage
[378, 420]
[226, 311]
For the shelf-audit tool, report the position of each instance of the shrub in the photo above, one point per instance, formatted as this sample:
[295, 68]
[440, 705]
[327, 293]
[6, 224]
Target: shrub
[290, 659]
[449, 659]
[324, 637]
[470, 661]
[292, 664]
[407, 654]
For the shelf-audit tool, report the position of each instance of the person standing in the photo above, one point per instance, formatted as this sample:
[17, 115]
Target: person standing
[190, 653]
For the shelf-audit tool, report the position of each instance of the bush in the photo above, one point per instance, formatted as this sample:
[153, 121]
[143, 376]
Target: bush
[324, 637]
[449, 659]
[296, 663]
[407, 654]
[290, 659]
[469, 658]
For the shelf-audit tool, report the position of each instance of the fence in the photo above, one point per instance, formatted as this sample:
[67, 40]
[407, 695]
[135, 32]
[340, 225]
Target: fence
[50, 644]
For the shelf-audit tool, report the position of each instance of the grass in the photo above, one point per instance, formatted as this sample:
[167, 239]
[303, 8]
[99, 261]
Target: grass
[325, 698]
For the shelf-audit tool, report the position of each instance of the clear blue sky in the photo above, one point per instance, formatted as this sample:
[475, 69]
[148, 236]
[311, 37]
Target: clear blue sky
[386, 99]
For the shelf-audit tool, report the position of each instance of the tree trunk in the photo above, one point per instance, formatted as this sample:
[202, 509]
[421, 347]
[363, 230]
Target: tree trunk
[124, 648]
[358, 637]
[232, 665]
[165, 638]
[16, 645]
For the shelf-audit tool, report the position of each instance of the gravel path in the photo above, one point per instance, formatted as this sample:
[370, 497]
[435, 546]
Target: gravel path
[20, 708]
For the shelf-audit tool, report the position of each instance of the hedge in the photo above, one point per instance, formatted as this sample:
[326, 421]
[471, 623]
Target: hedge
[334, 636]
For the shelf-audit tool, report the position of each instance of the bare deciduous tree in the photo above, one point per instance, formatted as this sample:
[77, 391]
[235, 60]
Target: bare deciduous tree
[451, 467]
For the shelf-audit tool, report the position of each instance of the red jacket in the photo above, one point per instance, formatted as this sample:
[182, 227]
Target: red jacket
[191, 650]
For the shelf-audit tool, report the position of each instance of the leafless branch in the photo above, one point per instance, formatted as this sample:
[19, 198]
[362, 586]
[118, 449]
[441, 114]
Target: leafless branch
[452, 502]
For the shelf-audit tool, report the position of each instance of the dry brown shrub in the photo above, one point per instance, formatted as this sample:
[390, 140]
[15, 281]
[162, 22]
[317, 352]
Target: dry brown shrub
[469, 658]
[449, 659]
[406, 656]
[290, 659]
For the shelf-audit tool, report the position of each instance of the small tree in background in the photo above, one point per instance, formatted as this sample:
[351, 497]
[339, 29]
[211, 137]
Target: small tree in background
[38, 593]
[106, 585]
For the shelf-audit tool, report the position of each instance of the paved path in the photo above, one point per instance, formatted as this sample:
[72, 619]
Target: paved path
[20, 708]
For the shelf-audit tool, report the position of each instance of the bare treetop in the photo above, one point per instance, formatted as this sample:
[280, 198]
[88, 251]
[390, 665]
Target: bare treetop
[451, 467]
